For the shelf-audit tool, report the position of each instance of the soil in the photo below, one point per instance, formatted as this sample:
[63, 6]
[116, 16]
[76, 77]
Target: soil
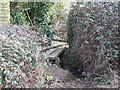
[65, 79]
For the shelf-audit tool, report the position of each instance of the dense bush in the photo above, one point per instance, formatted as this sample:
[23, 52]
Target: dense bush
[49, 17]
[93, 37]
[35, 14]
[21, 63]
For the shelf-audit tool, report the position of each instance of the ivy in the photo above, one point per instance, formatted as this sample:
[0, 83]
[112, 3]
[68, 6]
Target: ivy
[93, 36]
[36, 14]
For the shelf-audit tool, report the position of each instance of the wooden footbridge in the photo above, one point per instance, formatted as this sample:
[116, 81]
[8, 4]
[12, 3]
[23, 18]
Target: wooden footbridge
[53, 55]
[54, 52]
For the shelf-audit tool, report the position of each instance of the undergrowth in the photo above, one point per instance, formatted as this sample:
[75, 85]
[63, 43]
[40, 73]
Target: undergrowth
[21, 63]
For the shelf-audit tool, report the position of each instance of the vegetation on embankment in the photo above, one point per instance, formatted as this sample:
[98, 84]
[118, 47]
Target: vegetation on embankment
[93, 37]
[21, 63]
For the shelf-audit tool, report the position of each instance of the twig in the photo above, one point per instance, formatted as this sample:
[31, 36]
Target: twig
[29, 18]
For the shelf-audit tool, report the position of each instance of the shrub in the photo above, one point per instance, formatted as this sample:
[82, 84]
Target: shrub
[35, 14]
[93, 36]
[21, 63]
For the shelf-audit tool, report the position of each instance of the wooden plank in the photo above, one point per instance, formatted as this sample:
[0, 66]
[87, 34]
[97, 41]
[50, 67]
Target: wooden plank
[50, 51]
[51, 47]
[60, 40]
[56, 53]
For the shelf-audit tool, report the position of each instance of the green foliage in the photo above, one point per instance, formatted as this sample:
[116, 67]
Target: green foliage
[18, 18]
[33, 13]
[48, 17]
[92, 30]
[20, 58]
[59, 19]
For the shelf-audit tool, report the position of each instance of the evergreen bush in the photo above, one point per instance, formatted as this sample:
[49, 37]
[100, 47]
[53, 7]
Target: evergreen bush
[93, 36]
[21, 62]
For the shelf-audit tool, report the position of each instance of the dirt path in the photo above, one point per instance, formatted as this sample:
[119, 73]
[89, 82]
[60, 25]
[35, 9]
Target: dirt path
[62, 79]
